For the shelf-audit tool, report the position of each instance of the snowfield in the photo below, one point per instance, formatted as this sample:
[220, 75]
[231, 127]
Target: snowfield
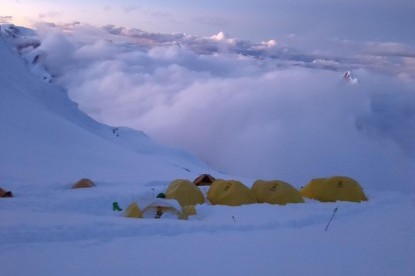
[75, 232]
[48, 229]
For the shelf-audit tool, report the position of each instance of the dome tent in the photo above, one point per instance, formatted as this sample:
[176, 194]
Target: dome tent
[335, 188]
[160, 208]
[4, 193]
[315, 184]
[163, 208]
[133, 211]
[83, 183]
[185, 192]
[204, 180]
[275, 192]
[230, 192]
[189, 210]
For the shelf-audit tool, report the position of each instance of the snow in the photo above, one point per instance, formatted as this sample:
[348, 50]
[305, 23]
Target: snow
[67, 232]
[45, 135]
[50, 229]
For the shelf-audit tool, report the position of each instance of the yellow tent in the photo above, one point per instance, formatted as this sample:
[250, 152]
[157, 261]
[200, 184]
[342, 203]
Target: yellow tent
[187, 211]
[230, 192]
[315, 184]
[276, 192]
[133, 211]
[83, 183]
[334, 188]
[185, 192]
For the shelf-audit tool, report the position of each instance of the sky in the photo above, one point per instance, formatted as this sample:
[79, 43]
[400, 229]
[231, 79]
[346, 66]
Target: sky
[253, 20]
[252, 90]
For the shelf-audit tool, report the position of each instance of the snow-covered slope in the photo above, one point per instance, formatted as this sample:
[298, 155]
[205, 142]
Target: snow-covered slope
[45, 138]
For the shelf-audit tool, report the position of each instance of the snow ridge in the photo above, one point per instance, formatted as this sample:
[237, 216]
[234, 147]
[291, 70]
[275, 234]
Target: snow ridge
[45, 134]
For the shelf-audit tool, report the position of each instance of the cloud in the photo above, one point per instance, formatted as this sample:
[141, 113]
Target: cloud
[5, 19]
[50, 14]
[256, 109]
[389, 49]
[391, 116]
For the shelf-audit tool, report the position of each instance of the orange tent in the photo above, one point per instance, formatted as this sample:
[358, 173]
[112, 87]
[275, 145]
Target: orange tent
[204, 180]
[4, 193]
[83, 183]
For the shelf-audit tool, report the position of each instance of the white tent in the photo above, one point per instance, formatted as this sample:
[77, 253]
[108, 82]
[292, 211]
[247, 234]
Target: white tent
[162, 208]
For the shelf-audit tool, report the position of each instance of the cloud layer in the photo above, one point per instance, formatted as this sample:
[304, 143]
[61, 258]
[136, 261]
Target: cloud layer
[257, 109]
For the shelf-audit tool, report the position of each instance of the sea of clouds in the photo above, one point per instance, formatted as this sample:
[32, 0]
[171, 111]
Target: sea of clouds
[256, 109]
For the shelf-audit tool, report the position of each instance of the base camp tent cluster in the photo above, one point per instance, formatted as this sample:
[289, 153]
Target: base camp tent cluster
[182, 195]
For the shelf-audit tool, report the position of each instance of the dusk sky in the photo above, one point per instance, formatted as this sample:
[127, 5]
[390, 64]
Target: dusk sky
[368, 20]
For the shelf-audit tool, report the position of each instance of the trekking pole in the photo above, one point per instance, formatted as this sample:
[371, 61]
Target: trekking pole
[334, 213]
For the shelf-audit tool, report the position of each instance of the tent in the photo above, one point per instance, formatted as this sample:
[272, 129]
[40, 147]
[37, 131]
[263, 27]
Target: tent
[83, 183]
[315, 184]
[189, 210]
[334, 188]
[275, 192]
[160, 208]
[230, 192]
[4, 193]
[133, 211]
[163, 208]
[204, 180]
[185, 192]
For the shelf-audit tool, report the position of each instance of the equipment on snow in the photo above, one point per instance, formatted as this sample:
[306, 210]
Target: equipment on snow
[159, 212]
[116, 207]
[334, 213]
[161, 195]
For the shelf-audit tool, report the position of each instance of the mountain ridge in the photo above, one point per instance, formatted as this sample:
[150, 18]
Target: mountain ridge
[46, 138]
